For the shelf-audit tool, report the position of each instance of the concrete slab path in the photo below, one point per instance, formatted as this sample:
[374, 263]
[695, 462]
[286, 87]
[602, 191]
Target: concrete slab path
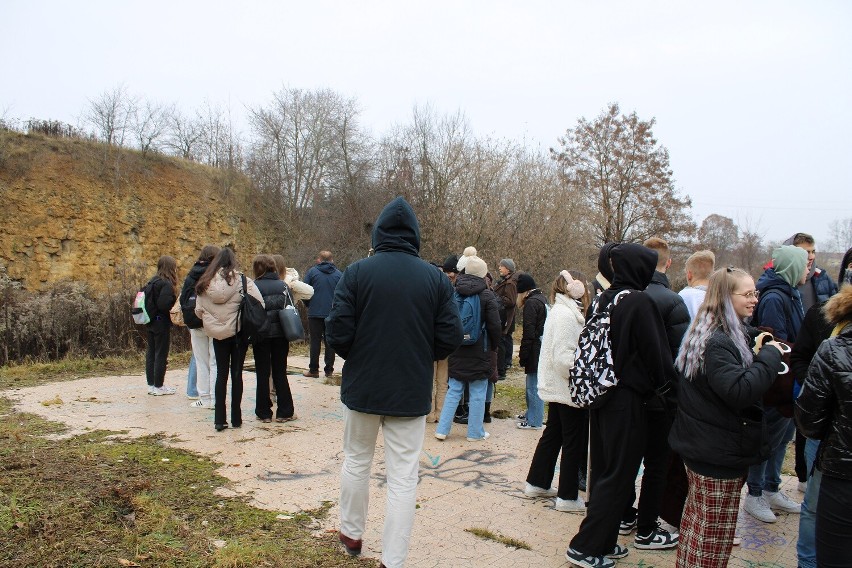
[296, 466]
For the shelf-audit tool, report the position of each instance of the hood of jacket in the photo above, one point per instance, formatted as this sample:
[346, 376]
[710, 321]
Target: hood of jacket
[468, 284]
[634, 267]
[397, 229]
[770, 280]
[326, 267]
[661, 279]
[604, 266]
[839, 308]
[219, 291]
[197, 270]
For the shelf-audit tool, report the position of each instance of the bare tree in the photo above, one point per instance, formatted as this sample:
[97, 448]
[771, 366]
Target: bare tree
[110, 114]
[840, 234]
[184, 135]
[623, 174]
[150, 122]
[721, 235]
[751, 251]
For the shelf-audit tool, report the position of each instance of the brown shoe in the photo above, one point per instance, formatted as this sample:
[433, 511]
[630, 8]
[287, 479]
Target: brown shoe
[288, 419]
[352, 546]
[310, 374]
[328, 375]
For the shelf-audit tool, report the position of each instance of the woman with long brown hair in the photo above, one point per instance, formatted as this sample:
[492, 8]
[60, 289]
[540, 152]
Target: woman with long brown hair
[220, 291]
[162, 289]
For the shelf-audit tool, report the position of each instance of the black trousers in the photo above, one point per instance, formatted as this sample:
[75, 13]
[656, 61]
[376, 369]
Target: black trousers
[157, 356]
[617, 436]
[270, 356]
[316, 328]
[657, 457]
[801, 466]
[505, 350]
[230, 356]
[566, 431]
[834, 523]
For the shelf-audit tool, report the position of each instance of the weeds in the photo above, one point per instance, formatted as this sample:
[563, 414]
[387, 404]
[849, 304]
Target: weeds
[497, 537]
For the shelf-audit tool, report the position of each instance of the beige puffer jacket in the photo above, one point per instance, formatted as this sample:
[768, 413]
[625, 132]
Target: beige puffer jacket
[299, 289]
[219, 304]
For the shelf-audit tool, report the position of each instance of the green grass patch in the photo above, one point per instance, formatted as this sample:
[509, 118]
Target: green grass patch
[497, 537]
[34, 374]
[94, 500]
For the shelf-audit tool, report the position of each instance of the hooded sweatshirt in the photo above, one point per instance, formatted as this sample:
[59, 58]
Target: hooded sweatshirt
[392, 316]
[780, 305]
[323, 278]
[641, 357]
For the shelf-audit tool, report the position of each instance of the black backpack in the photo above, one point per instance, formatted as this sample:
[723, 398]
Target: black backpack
[187, 307]
[252, 322]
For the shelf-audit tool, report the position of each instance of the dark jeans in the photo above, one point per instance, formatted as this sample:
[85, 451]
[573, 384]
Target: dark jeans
[567, 431]
[801, 465]
[834, 523]
[656, 458]
[617, 437]
[230, 356]
[271, 355]
[316, 327]
[504, 354]
[156, 357]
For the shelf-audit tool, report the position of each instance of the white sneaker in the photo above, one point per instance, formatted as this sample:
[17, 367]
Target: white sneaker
[200, 404]
[485, 437]
[779, 500]
[152, 389]
[757, 507]
[527, 426]
[440, 436]
[569, 506]
[163, 391]
[531, 490]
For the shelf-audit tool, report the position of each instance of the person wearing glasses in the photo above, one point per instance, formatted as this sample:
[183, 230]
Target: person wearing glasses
[779, 309]
[718, 429]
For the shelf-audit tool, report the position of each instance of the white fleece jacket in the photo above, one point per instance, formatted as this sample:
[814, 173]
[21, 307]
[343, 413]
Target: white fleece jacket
[559, 342]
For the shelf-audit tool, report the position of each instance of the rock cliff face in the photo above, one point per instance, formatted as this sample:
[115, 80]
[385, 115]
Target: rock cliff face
[69, 209]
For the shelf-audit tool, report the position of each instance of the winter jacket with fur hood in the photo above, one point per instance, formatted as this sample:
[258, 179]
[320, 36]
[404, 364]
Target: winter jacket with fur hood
[558, 346]
[824, 408]
[219, 304]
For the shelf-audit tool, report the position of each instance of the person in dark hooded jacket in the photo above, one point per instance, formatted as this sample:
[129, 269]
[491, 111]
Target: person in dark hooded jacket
[392, 317]
[323, 278]
[535, 308]
[271, 350]
[473, 365]
[643, 364]
[159, 328]
[824, 412]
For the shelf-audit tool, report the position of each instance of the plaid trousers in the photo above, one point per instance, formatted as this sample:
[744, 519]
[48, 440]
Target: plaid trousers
[709, 521]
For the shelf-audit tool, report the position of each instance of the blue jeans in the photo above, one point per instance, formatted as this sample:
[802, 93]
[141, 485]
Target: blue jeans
[535, 406]
[191, 379]
[766, 476]
[806, 546]
[477, 391]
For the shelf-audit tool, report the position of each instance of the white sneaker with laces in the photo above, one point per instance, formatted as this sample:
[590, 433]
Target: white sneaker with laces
[569, 506]
[152, 389]
[485, 437]
[757, 507]
[163, 391]
[528, 426]
[531, 490]
[779, 500]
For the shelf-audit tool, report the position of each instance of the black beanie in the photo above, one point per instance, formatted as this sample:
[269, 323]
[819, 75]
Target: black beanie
[450, 264]
[604, 264]
[525, 283]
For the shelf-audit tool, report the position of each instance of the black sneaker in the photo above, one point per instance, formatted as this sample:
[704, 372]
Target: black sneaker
[626, 527]
[657, 539]
[579, 559]
[618, 552]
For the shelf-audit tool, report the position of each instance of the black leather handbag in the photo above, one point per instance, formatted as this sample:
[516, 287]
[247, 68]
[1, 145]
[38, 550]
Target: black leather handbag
[291, 321]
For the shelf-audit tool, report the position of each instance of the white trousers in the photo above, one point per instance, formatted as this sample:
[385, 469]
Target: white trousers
[205, 365]
[403, 444]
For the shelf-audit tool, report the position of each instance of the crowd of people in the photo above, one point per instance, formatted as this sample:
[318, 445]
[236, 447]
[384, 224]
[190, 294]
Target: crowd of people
[713, 382]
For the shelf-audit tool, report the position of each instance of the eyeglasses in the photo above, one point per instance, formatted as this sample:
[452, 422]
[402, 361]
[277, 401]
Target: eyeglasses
[753, 294]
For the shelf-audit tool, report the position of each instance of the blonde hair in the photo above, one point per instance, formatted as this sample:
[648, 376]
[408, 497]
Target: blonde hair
[701, 264]
[662, 248]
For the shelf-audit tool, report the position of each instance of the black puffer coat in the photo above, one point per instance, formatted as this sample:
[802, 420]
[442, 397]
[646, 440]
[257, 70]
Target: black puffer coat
[191, 320]
[824, 408]
[274, 292]
[473, 362]
[162, 300]
[672, 308]
[392, 316]
[719, 429]
[535, 313]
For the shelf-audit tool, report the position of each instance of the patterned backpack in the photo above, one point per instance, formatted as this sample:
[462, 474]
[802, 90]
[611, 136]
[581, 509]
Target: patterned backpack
[592, 375]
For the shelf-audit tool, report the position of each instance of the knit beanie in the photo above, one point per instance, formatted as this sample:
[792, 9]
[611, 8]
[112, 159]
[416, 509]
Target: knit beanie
[475, 266]
[575, 288]
[508, 263]
[789, 263]
[451, 264]
[525, 283]
[468, 253]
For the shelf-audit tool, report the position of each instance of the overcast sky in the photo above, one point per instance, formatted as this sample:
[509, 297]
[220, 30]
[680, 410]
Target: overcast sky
[752, 99]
